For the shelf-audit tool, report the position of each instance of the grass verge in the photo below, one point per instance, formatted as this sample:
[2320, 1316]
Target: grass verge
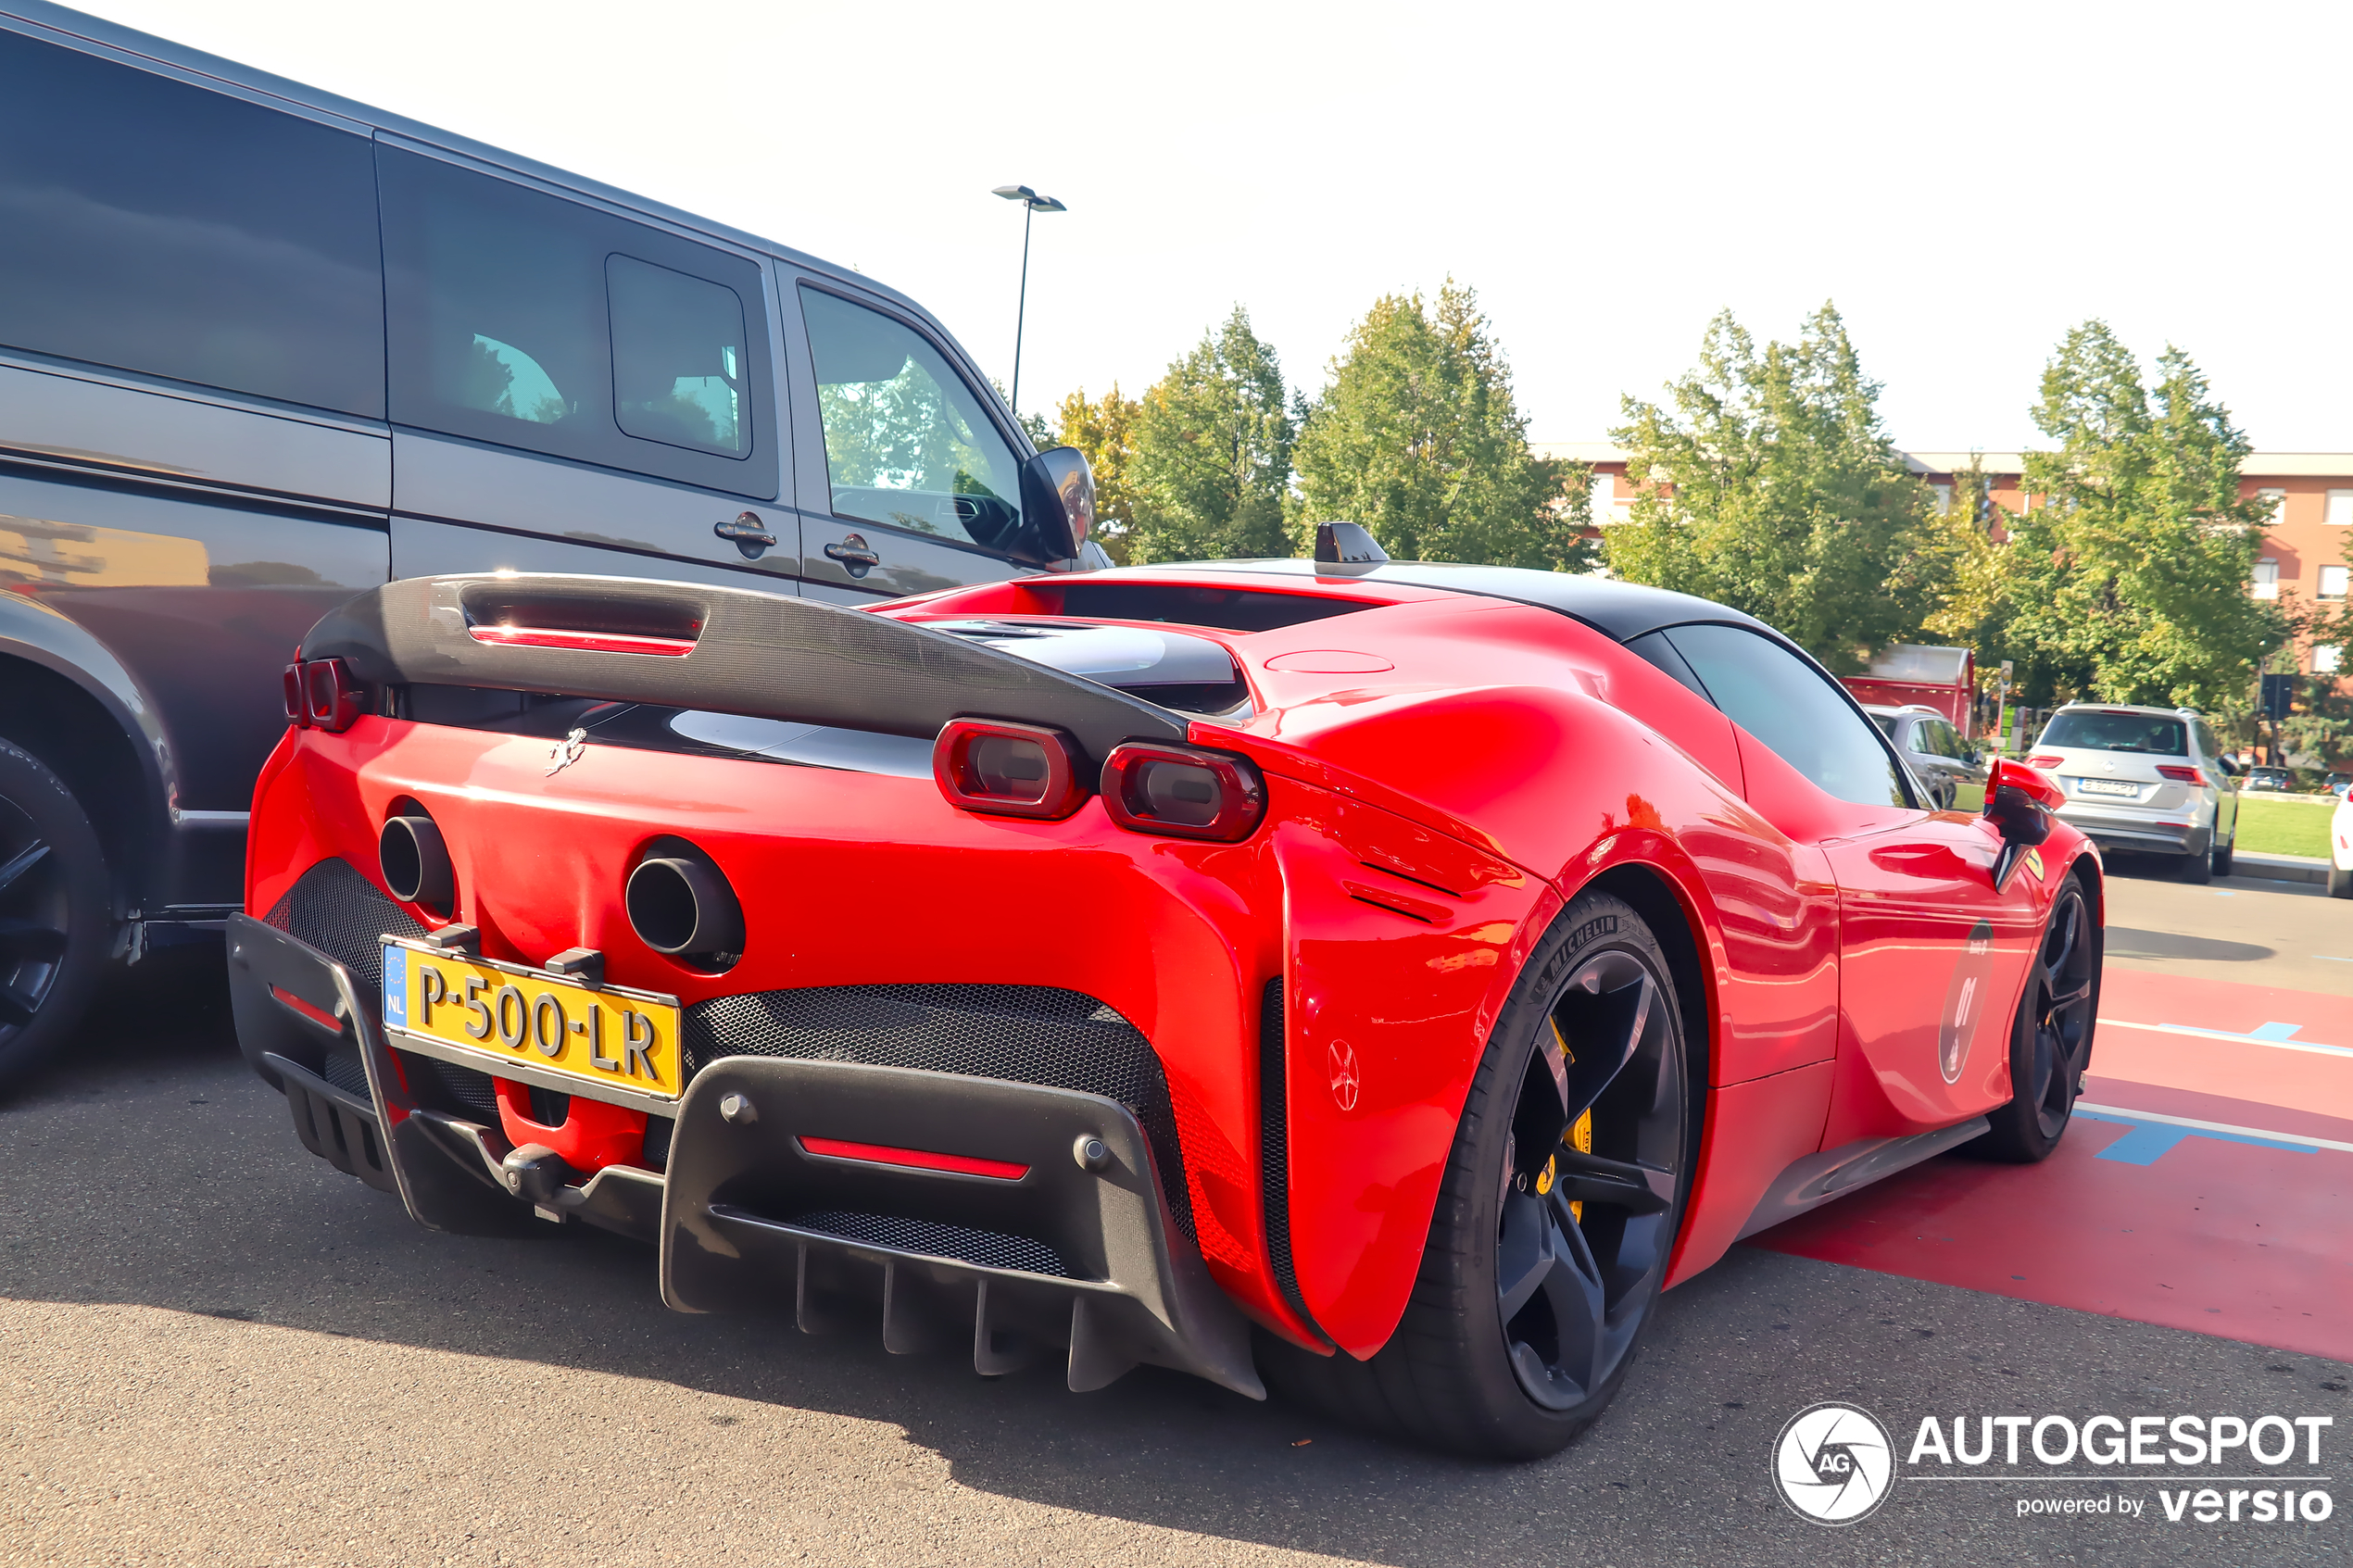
[2289, 826]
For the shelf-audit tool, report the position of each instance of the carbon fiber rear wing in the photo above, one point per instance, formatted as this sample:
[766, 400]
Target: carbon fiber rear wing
[724, 650]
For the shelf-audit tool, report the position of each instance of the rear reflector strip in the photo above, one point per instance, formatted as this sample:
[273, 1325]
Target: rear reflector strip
[580, 642]
[295, 1004]
[914, 1159]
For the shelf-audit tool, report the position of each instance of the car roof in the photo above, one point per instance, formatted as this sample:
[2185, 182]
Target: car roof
[1623, 611]
[77, 28]
[2123, 708]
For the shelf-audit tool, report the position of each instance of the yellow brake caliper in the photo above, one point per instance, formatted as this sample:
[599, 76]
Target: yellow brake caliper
[1580, 1137]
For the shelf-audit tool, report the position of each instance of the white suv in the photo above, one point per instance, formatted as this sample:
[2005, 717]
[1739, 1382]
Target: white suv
[2145, 779]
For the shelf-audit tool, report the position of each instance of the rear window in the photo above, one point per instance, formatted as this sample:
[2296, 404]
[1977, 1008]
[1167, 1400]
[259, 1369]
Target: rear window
[2119, 732]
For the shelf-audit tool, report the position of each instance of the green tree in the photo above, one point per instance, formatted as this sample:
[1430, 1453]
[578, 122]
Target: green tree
[1105, 431]
[1417, 437]
[2129, 583]
[1767, 483]
[1212, 453]
[1956, 567]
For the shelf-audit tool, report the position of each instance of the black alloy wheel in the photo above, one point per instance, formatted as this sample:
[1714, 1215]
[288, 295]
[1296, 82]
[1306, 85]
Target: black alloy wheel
[54, 926]
[1559, 1207]
[1586, 1203]
[2051, 1037]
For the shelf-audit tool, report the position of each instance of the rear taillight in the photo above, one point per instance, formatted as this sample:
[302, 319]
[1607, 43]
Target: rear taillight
[331, 695]
[1183, 793]
[2044, 761]
[2179, 775]
[297, 699]
[1007, 769]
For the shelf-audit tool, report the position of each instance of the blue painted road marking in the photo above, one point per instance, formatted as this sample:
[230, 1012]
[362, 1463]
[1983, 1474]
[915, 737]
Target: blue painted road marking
[2147, 1141]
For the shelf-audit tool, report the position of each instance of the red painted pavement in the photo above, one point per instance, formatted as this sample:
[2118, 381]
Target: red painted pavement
[2247, 1241]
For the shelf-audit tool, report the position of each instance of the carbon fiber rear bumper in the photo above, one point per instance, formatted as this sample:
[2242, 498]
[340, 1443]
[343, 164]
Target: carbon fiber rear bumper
[1032, 1243]
[757, 1210]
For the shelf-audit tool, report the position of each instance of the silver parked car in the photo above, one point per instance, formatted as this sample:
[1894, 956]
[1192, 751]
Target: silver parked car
[2152, 780]
[1933, 747]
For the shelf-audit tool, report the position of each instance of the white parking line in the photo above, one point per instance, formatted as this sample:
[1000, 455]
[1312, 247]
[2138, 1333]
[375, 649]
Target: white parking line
[2226, 1035]
[2264, 1132]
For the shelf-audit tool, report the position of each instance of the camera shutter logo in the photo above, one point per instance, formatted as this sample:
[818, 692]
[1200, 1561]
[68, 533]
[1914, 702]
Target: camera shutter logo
[1833, 1464]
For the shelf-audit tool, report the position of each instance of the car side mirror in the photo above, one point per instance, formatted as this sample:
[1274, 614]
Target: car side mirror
[2227, 766]
[2019, 802]
[1057, 503]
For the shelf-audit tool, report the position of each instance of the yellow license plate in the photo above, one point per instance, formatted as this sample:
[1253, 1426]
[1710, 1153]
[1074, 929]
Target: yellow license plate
[490, 1015]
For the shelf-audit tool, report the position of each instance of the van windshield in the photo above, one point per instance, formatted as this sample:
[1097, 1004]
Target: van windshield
[2119, 732]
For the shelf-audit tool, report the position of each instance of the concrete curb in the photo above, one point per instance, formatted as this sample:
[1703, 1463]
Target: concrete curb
[2279, 868]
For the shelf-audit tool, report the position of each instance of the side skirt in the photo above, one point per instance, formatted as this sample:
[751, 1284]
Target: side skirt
[1818, 1178]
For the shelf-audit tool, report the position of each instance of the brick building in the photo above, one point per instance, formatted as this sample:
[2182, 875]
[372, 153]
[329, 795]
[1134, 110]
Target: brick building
[2305, 550]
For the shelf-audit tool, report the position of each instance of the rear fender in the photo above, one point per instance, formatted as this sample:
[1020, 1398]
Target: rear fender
[1401, 947]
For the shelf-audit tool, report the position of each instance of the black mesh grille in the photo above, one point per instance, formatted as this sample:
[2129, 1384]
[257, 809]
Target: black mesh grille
[341, 913]
[1273, 1141]
[342, 1069]
[467, 1089]
[987, 1249]
[1022, 1034]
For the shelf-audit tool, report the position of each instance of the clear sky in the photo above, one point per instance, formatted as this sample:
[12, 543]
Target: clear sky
[1964, 180]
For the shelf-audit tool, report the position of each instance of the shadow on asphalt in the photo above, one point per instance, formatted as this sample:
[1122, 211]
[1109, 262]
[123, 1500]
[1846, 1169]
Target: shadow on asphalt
[155, 1169]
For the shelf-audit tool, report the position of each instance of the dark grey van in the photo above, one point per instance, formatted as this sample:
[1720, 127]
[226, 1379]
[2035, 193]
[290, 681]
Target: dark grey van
[261, 348]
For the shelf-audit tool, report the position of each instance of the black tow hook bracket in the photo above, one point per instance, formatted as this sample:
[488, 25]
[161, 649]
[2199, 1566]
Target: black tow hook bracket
[538, 1174]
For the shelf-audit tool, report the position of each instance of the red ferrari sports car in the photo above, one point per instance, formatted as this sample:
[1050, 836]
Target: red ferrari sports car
[1392, 975]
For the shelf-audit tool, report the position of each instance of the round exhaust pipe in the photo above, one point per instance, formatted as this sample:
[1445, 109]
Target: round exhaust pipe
[680, 904]
[416, 864]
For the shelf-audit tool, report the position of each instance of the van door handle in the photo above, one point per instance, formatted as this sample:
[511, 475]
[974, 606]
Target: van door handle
[750, 535]
[854, 556]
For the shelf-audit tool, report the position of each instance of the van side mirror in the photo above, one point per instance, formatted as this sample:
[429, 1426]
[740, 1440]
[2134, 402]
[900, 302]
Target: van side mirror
[2019, 802]
[1057, 504]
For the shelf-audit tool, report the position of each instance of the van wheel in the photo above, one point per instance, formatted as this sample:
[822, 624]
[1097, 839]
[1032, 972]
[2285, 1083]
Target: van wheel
[54, 925]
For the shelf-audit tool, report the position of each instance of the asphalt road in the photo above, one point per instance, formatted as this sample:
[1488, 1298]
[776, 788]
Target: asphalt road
[216, 1350]
[2239, 929]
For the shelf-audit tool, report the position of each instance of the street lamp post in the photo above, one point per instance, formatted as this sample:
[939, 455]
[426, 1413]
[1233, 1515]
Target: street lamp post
[1031, 203]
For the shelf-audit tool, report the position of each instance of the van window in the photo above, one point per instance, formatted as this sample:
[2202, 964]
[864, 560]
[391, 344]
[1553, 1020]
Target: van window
[529, 321]
[677, 357]
[907, 442]
[1794, 709]
[154, 226]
